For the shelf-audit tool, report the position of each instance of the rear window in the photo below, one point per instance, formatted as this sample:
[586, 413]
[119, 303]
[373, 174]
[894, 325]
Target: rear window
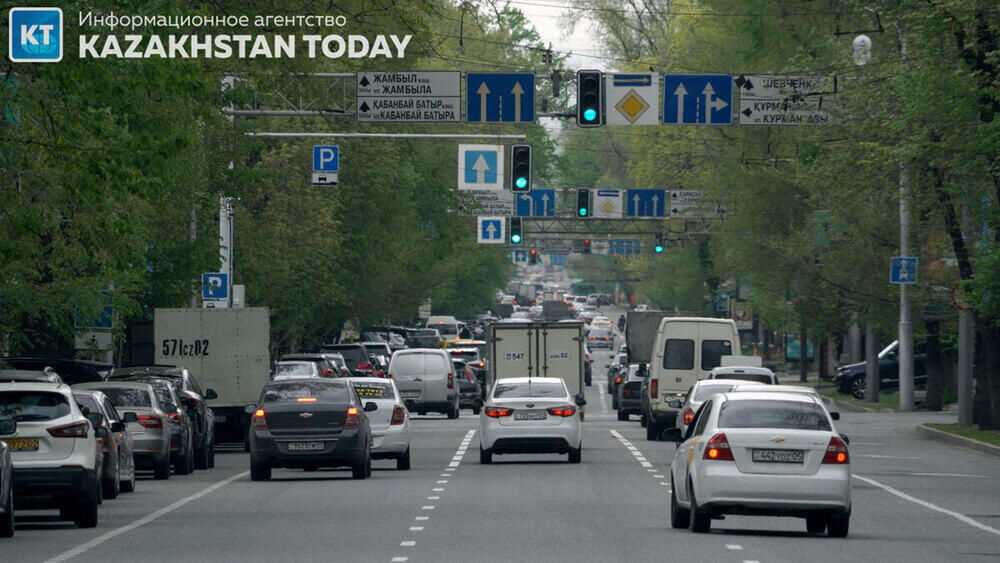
[754, 377]
[527, 389]
[785, 415]
[354, 355]
[445, 328]
[678, 353]
[599, 333]
[712, 352]
[374, 390]
[466, 356]
[427, 332]
[128, 397]
[301, 369]
[703, 392]
[407, 364]
[291, 391]
[30, 406]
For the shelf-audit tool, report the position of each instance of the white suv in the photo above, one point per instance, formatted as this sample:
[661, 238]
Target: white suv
[54, 449]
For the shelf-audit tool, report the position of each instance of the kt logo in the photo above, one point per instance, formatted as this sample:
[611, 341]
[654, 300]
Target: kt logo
[36, 35]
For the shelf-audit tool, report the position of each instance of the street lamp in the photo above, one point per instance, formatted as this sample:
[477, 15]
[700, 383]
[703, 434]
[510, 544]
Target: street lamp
[862, 50]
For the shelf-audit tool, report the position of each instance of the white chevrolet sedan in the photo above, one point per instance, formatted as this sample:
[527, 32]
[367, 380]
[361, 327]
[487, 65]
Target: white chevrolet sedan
[390, 421]
[771, 454]
[530, 416]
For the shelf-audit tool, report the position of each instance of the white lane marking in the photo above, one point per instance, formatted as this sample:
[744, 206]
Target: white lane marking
[734, 547]
[658, 477]
[433, 498]
[602, 389]
[400, 559]
[416, 528]
[932, 506]
[82, 548]
[442, 482]
[422, 518]
[652, 471]
[437, 489]
[446, 474]
[427, 507]
[948, 475]
[410, 543]
[665, 483]
[750, 561]
[615, 434]
[455, 464]
[646, 464]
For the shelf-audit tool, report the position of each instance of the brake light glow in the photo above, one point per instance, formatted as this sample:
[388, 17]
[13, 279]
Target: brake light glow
[176, 417]
[836, 452]
[365, 366]
[259, 422]
[351, 421]
[688, 415]
[306, 400]
[654, 388]
[565, 410]
[398, 416]
[72, 430]
[618, 380]
[497, 412]
[717, 448]
[451, 381]
[149, 421]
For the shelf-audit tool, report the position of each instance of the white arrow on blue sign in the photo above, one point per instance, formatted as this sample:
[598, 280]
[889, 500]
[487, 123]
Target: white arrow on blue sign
[500, 98]
[490, 230]
[698, 99]
[903, 269]
[480, 167]
[520, 256]
[537, 203]
[645, 203]
[326, 158]
[215, 285]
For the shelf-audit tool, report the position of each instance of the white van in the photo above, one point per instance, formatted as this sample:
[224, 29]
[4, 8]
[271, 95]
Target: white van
[686, 350]
[426, 381]
[445, 324]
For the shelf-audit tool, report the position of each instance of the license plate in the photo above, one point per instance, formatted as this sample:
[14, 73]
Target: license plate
[21, 444]
[304, 446]
[777, 456]
[410, 394]
[529, 415]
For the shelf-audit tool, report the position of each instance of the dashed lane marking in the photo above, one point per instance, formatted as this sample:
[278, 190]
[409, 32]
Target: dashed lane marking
[734, 547]
[960, 517]
[409, 543]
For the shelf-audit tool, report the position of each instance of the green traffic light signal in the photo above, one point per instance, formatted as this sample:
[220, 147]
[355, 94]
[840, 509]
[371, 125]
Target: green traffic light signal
[658, 249]
[521, 182]
[515, 238]
[590, 114]
[583, 212]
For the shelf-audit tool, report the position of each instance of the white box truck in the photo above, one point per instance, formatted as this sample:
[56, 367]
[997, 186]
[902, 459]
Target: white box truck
[537, 350]
[227, 350]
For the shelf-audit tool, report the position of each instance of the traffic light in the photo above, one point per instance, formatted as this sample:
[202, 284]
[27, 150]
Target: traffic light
[583, 202]
[589, 98]
[515, 230]
[586, 246]
[520, 168]
[658, 245]
[533, 257]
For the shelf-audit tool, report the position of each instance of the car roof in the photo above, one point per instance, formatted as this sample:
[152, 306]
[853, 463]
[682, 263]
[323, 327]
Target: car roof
[742, 369]
[163, 370]
[35, 386]
[530, 380]
[748, 386]
[726, 382]
[47, 375]
[765, 396]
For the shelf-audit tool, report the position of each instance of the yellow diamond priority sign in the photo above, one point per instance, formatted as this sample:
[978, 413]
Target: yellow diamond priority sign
[634, 97]
[632, 106]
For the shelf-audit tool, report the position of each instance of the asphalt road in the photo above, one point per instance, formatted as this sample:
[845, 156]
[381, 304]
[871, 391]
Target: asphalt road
[914, 500]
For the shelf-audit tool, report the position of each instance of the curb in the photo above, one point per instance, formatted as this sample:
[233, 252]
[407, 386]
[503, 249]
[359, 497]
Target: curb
[956, 440]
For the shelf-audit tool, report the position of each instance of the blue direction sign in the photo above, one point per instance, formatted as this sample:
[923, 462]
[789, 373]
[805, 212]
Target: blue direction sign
[557, 259]
[698, 99]
[623, 246]
[520, 256]
[326, 159]
[500, 98]
[491, 230]
[481, 165]
[645, 203]
[215, 285]
[537, 203]
[903, 269]
[722, 301]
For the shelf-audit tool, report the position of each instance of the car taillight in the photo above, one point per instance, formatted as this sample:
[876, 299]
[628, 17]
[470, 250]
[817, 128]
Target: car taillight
[565, 410]
[176, 417]
[618, 380]
[717, 448]
[591, 337]
[451, 381]
[73, 430]
[836, 452]
[654, 388]
[351, 421]
[497, 412]
[378, 373]
[364, 366]
[398, 416]
[149, 421]
[688, 415]
[481, 364]
[327, 372]
[259, 422]
[306, 400]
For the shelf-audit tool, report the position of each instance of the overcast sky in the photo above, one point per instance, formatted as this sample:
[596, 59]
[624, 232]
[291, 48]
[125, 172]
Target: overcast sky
[547, 17]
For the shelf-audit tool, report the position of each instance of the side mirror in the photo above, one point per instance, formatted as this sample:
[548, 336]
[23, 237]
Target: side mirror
[675, 404]
[117, 426]
[101, 432]
[170, 408]
[580, 400]
[250, 409]
[835, 415]
[370, 406]
[211, 394]
[845, 439]
[8, 427]
[672, 434]
[129, 417]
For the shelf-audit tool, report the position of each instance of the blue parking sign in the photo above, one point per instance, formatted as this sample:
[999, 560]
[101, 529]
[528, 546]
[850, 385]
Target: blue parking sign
[215, 285]
[326, 158]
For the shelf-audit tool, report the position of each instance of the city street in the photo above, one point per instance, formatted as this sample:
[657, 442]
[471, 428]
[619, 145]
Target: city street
[914, 500]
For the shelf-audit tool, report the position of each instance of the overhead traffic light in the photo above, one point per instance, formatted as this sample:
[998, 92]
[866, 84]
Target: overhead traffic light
[583, 202]
[533, 257]
[586, 246]
[658, 244]
[520, 168]
[515, 230]
[589, 98]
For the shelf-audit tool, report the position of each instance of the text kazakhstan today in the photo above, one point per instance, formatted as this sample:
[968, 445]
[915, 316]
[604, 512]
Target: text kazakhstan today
[224, 46]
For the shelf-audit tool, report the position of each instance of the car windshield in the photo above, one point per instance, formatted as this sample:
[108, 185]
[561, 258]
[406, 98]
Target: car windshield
[785, 415]
[703, 392]
[33, 405]
[599, 333]
[526, 389]
[329, 391]
[304, 369]
[353, 355]
[374, 390]
[754, 377]
[127, 397]
[466, 355]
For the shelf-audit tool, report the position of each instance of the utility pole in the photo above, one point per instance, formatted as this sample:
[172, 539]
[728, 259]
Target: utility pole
[855, 333]
[192, 238]
[871, 364]
[226, 243]
[905, 321]
[966, 345]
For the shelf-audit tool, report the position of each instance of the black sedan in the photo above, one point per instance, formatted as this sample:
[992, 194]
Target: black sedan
[308, 424]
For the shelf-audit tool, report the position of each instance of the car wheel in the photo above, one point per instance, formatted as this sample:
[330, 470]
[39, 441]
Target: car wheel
[128, 485]
[7, 518]
[680, 518]
[701, 521]
[111, 487]
[259, 470]
[201, 458]
[642, 421]
[477, 409]
[181, 465]
[576, 455]
[815, 525]
[66, 512]
[162, 469]
[485, 456]
[453, 414]
[622, 415]
[588, 382]
[85, 513]
[614, 401]
[403, 461]
[838, 526]
[652, 431]
[190, 461]
[858, 387]
[360, 469]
